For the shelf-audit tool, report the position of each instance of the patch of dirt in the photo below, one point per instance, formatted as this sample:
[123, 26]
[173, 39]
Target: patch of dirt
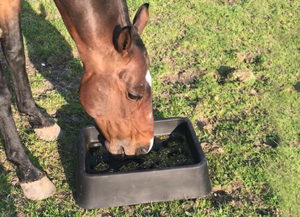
[253, 92]
[211, 148]
[248, 57]
[128, 209]
[227, 194]
[204, 124]
[227, 73]
[147, 212]
[165, 95]
[182, 77]
[295, 144]
[188, 205]
[263, 145]
[220, 197]
[20, 215]
[242, 75]
[107, 214]
[30, 69]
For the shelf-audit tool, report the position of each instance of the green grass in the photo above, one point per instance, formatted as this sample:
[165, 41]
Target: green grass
[238, 62]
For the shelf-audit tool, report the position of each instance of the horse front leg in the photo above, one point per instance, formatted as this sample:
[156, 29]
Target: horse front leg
[35, 184]
[13, 49]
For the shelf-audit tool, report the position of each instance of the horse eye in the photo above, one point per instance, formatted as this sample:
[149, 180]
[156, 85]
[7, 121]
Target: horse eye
[133, 96]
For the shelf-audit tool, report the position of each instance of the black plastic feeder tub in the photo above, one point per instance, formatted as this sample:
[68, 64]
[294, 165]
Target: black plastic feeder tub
[113, 187]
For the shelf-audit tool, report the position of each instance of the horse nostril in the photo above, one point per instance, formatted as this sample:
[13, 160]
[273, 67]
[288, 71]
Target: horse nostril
[119, 155]
[114, 149]
[142, 150]
[121, 151]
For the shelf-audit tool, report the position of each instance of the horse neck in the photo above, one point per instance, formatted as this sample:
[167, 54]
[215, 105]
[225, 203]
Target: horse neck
[91, 24]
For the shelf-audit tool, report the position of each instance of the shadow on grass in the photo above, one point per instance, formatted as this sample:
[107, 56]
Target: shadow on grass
[224, 72]
[51, 55]
[297, 86]
[7, 207]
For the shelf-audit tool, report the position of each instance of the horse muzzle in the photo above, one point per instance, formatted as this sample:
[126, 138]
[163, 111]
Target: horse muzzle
[119, 147]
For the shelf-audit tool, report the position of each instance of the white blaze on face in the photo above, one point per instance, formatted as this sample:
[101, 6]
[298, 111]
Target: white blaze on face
[148, 78]
[149, 81]
[151, 145]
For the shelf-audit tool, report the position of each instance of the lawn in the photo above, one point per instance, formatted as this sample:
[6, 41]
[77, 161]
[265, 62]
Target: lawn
[231, 66]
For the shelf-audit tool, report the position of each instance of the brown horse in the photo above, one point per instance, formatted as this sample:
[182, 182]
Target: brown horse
[115, 87]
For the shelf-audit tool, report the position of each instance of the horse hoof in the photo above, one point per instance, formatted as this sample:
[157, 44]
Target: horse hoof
[48, 133]
[38, 190]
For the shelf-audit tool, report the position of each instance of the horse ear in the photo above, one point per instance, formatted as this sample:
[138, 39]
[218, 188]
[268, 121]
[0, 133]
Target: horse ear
[141, 18]
[123, 40]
